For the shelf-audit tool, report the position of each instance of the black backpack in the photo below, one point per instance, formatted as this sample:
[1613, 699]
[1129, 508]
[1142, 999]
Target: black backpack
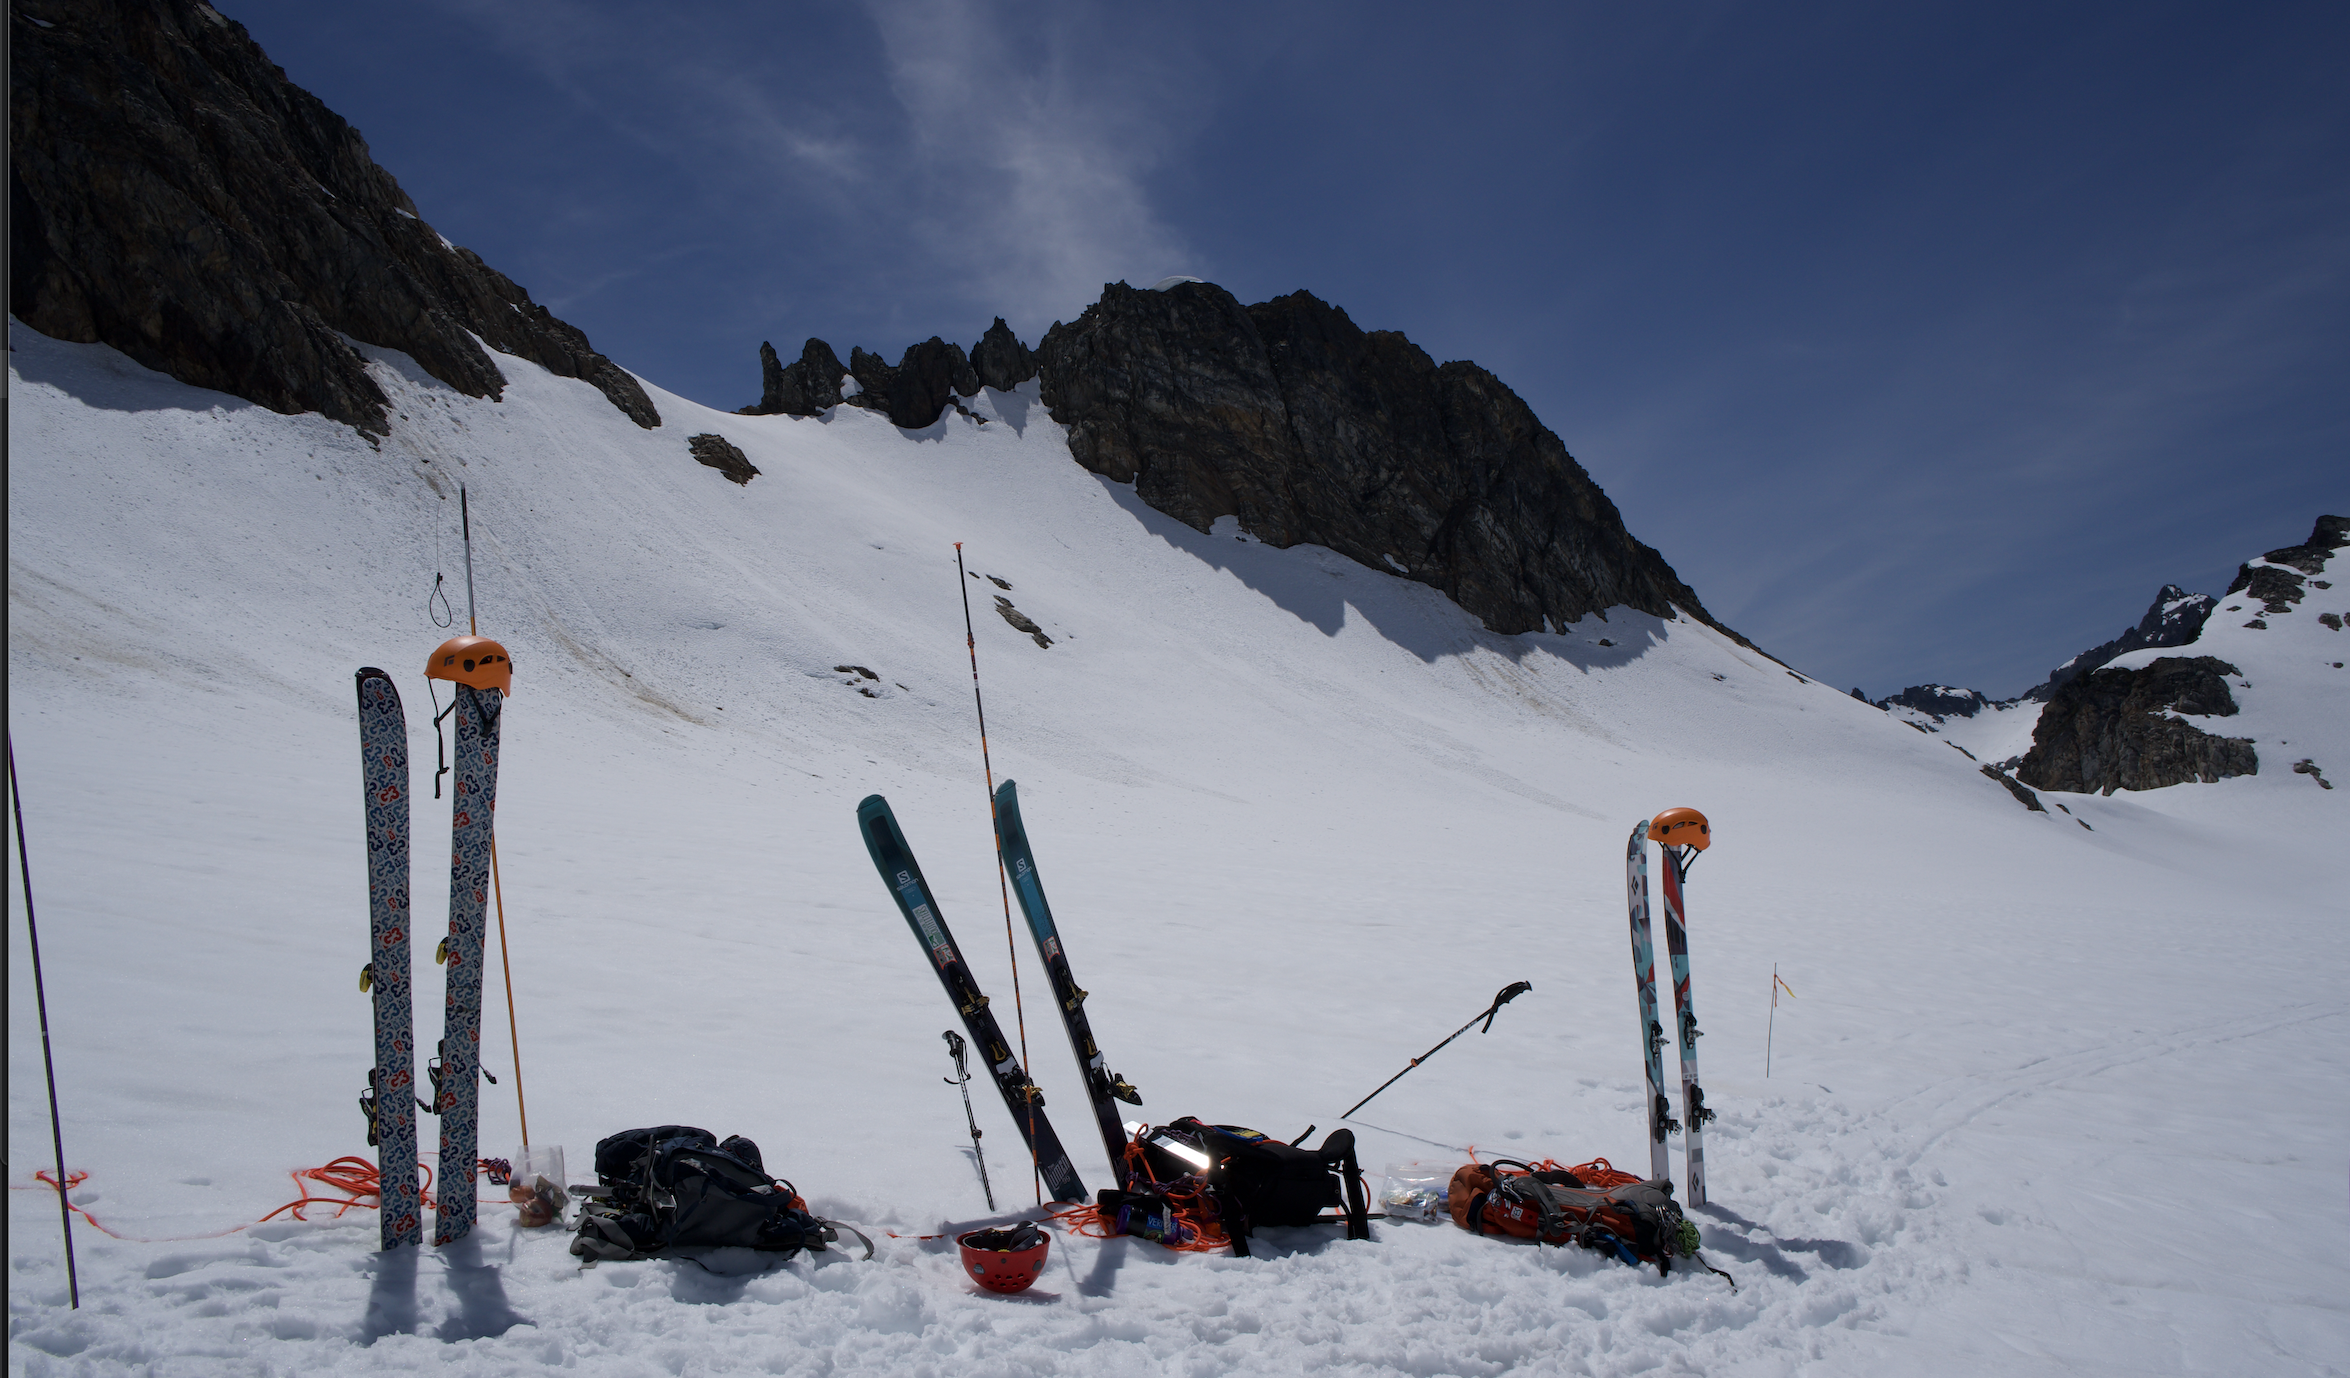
[676, 1187]
[1260, 1180]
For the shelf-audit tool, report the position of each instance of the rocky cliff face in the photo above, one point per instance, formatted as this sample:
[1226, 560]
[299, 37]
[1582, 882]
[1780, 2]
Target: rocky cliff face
[2278, 579]
[2113, 729]
[2175, 618]
[1935, 700]
[1308, 429]
[913, 393]
[171, 194]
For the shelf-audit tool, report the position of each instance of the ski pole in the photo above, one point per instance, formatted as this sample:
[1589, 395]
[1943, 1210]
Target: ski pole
[1003, 883]
[962, 1078]
[465, 521]
[73, 1282]
[1508, 993]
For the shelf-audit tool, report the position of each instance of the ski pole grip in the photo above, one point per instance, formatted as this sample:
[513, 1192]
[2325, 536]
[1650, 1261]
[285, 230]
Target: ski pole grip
[1508, 993]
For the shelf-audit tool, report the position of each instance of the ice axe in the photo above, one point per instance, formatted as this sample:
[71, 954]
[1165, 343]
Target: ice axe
[1508, 993]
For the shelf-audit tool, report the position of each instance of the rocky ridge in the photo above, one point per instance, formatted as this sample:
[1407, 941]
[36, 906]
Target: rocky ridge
[2126, 727]
[1306, 428]
[2175, 618]
[173, 195]
[1309, 429]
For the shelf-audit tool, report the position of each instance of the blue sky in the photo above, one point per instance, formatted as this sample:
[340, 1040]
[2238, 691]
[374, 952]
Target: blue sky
[1925, 340]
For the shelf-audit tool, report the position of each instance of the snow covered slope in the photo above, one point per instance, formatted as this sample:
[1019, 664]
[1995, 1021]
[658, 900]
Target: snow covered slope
[1298, 820]
[1993, 732]
[2293, 692]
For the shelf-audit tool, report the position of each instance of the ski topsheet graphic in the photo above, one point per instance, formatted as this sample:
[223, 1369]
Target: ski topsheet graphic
[390, 1098]
[456, 1079]
[1652, 1030]
[1680, 835]
[886, 842]
[1102, 1086]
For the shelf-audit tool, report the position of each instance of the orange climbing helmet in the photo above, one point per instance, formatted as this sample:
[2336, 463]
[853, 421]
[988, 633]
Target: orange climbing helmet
[478, 661]
[1674, 828]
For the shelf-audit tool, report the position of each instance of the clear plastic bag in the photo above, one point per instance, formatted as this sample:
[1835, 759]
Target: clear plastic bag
[1415, 1191]
[537, 1185]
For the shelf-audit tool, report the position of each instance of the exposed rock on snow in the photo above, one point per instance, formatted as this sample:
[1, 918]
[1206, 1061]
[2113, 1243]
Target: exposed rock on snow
[1020, 621]
[2175, 618]
[2330, 535]
[171, 194]
[1309, 430]
[1000, 360]
[2023, 796]
[807, 386]
[2123, 729]
[1937, 700]
[719, 453]
[2277, 589]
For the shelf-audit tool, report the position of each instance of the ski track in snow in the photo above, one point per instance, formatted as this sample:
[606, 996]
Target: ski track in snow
[1296, 818]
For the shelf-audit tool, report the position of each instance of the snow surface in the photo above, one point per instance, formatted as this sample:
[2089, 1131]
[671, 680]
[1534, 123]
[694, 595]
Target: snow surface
[1994, 733]
[2061, 1093]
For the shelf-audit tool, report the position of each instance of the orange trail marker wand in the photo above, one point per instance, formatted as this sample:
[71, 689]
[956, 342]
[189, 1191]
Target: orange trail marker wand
[1772, 1028]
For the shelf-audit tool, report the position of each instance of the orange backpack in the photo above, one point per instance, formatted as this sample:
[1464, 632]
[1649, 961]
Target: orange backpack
[1592, 1205]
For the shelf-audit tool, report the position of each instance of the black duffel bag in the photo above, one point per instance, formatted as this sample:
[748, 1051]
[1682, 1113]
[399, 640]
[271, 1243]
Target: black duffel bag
[678, 1187]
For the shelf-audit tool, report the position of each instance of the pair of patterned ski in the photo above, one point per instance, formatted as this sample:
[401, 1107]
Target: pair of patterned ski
[1680, 835]
[918, 904]
[390, 1102]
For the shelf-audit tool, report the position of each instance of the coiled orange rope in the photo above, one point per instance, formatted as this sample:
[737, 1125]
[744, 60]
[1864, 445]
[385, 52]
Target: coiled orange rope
[353, 1176]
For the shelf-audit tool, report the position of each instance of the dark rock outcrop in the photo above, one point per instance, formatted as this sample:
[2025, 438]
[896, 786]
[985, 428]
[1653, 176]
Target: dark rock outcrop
[2112, 729]
[2007, 782]
[1939, 700]
[2276, 588]
[925, 379]
[1308, 429]
[172, 195]
[2175, 618]
[804, 387]
[1020, 621]
[1000, 360]
[2330, 535]
[720, 453]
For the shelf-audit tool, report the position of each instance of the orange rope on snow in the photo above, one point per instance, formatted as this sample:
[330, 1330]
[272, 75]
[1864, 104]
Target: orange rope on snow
[354, 1176]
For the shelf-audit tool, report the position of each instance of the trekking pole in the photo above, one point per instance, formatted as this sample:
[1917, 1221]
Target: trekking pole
[1508, 993]
[465, 524]
[1003, 884]
[73, 1282]
[962, 1078]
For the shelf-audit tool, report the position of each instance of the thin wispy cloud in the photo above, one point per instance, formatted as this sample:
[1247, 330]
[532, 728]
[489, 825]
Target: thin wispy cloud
[1030, 138]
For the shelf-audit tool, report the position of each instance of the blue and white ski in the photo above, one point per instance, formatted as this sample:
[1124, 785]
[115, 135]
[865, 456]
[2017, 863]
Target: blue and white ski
[1652, 1030]
[390, 1099]
[894, 858]
[1694, 1112]
[456, 1072]
[1102, 1086]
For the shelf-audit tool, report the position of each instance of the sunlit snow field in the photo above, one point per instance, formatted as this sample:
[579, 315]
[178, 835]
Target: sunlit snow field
[2061, 1093]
